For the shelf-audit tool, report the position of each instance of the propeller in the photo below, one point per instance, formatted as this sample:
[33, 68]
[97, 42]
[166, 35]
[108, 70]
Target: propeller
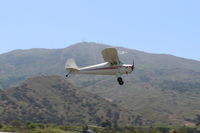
[133, 66]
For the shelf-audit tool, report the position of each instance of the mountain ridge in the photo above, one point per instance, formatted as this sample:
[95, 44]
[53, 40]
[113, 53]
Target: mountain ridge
[158, 84]
[94, 43]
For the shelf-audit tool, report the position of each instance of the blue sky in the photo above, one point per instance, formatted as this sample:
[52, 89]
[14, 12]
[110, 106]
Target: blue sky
[155, 26]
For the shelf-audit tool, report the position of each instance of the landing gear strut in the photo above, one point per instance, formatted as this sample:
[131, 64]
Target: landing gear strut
[120, 81]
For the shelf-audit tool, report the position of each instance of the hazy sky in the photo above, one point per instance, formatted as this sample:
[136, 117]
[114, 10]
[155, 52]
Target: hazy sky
[156, 26]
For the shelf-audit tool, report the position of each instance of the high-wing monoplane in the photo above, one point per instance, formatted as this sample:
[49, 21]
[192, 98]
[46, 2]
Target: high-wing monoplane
[111, 66]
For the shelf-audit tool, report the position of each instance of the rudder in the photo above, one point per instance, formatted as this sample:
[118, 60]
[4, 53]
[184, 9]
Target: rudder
[71, 66]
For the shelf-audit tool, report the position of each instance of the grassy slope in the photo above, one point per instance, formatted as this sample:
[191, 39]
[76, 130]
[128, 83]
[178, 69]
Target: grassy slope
[51, 99]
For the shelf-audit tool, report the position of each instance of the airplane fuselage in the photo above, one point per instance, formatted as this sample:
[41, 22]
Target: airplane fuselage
[105, 69]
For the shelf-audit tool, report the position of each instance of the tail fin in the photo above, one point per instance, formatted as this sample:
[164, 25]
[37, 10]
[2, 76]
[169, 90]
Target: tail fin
[71, 65]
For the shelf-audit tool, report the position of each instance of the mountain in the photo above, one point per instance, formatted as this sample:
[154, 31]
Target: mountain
[19, 65]
[163, 88]
[51, 99]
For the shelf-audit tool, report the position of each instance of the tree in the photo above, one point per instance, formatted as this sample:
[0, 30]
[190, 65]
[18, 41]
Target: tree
[16, 124]
[106, 124]
[1, 126]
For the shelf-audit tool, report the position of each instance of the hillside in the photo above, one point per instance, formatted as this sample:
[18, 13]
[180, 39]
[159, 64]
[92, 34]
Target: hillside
[163, 87]
[51, 99]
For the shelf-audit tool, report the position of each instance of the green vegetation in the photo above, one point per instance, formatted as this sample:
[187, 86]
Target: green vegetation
[51, 99]
[52, 128]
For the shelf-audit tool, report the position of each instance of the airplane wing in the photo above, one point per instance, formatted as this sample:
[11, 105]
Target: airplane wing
[110, 55]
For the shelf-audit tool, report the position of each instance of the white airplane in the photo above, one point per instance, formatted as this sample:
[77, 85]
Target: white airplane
[111, 66]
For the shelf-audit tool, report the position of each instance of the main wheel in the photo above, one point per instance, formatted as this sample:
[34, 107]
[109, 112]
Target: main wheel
[119, 79]
[121, 82]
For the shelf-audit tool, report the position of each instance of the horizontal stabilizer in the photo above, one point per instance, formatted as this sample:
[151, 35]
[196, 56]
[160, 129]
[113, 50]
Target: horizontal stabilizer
[71, 65]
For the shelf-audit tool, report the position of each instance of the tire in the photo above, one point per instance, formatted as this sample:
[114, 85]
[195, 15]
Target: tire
[119, 79]
[121, 83]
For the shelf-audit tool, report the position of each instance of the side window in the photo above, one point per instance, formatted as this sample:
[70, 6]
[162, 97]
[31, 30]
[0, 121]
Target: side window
[121, 63]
